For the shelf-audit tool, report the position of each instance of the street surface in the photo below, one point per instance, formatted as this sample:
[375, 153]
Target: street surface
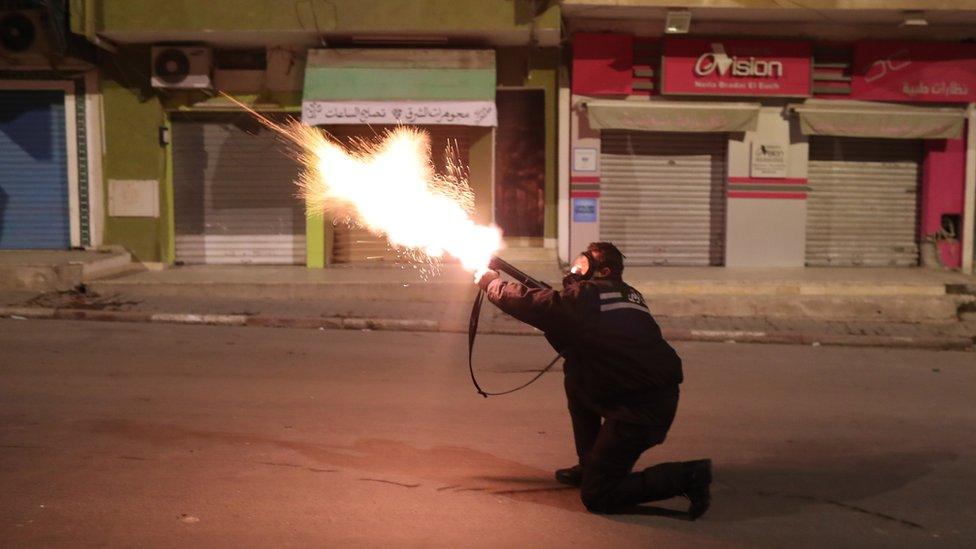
[163, 435]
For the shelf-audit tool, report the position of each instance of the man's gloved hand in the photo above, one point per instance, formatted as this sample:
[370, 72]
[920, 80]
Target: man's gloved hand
[486, 277]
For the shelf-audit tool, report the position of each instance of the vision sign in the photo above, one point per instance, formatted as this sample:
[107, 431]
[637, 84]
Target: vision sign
[736, 67]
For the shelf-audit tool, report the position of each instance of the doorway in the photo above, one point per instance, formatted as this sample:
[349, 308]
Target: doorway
[520, 164]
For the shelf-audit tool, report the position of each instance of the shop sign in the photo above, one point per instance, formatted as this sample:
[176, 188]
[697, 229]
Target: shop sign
[460, 113]
[736, 67]
[914, 71]
[584, 160]
[768, 160]
[584, 210]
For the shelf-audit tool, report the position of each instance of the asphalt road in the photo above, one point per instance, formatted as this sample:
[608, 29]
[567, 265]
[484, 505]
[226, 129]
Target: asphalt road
[163, 435]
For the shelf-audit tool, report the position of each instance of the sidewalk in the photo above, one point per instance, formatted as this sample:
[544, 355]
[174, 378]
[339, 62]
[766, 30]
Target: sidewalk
[872, 295]
[903, 307]
[54, 270]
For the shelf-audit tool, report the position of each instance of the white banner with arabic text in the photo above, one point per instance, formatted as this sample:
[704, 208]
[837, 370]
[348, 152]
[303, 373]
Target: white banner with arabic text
[457, 113]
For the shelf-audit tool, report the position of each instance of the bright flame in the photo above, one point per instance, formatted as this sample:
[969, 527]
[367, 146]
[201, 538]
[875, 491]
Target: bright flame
[392, 189]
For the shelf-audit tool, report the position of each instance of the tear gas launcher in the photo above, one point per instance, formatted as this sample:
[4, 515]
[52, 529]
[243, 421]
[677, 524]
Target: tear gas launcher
[499, 264]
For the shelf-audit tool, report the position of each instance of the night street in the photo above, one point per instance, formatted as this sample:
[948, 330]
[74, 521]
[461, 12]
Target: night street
[145, 434]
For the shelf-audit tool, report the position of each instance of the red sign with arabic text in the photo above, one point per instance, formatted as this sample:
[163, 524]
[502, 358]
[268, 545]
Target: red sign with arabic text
[737, 67]
[914, 71]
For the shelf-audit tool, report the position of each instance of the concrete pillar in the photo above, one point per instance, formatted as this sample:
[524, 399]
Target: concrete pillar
[315, 252]
[563, 126]
[969, 203]
[766, 220]
[584, 179]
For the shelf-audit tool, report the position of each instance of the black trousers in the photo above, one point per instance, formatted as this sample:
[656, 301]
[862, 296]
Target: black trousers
[609, 449]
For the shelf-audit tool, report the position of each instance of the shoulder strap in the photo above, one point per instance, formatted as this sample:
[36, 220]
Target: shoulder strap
[473, 333]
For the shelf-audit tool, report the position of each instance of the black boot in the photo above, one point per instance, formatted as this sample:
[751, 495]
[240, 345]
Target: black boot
[697, 478]
[571, 476]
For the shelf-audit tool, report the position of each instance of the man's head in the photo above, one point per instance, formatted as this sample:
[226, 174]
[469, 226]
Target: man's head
[600, 260]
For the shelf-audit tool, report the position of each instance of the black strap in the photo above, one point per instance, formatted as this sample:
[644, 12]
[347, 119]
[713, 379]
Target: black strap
[473, 333]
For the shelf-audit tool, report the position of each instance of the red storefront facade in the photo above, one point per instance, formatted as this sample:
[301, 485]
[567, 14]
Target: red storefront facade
[770, 152]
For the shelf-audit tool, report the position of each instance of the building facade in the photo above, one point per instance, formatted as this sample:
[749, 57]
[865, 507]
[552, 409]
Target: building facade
[173, 171]
[737, 143]
[50, 190]
[755, 136]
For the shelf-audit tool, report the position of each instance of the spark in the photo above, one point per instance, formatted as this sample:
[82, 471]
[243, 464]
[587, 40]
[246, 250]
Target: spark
[391, 188]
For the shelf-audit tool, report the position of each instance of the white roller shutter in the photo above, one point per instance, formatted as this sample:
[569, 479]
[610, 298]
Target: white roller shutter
[355, 244]
[662, 196]
[234, 194]
[863, 202]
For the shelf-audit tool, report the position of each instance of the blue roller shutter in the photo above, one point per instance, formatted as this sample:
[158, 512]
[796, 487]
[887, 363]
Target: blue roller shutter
[33, 170]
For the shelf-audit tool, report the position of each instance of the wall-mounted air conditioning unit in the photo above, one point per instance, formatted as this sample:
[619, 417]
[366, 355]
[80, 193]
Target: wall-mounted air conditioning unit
[24, 33]
[181, 67]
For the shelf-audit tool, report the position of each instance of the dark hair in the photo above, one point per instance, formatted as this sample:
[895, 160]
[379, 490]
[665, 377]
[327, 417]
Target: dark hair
[609, 256]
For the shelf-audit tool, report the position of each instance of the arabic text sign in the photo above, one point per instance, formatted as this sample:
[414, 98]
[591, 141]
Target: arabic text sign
[737, 67]
[458, 113]
[769, 160]
[584, 210]
[914, 71]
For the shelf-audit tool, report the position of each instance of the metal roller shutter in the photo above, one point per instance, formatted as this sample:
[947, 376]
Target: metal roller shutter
[234, 193]
[33, 171]
[662, 196]
[354, 244]
[863, 202]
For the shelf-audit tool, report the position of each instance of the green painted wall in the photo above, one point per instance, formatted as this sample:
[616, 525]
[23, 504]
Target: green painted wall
[434, 16]
[133, 115]
[538, 68]
[367, 84]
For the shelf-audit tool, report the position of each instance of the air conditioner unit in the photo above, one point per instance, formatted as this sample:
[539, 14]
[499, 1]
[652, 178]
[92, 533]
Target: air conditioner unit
[24, 33]
[181, 67]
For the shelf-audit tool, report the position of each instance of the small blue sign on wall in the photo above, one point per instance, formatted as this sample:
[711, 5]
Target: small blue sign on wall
[584, 210]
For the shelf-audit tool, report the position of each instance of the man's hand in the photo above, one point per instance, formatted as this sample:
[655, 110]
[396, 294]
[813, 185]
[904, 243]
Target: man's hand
[484, 279]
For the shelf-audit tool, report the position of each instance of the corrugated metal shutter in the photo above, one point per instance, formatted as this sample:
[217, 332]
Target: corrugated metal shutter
[354, 244]
[863, 204]
[234, 193]
[662, 196]
[33, 170]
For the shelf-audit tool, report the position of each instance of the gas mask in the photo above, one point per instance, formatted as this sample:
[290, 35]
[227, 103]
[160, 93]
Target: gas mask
[582, 269]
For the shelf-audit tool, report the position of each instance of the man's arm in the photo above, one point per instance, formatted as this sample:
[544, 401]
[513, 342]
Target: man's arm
[538, 307]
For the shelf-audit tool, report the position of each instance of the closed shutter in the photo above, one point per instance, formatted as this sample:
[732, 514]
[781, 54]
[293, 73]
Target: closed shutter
[662, 196]
[863, 202]
[33, 170]
[234, 193]
[355, 244]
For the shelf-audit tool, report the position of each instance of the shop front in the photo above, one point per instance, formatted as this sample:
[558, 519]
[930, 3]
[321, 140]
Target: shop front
[867, 170]
[885, 191]
[729, 152]
[233, 192]
[358, 94]
[34, 192]
[662, 133]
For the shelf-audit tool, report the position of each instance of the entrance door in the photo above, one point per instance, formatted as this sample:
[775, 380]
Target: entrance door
[520, 163]
[33, 170]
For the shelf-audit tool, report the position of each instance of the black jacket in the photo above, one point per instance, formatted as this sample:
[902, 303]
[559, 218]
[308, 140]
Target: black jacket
[617, 361]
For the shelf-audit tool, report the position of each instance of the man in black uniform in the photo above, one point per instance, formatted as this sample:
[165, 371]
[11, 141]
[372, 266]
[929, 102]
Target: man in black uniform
[619, 369]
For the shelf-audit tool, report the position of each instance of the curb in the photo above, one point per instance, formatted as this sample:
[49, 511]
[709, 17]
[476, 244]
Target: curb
[422, 325]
